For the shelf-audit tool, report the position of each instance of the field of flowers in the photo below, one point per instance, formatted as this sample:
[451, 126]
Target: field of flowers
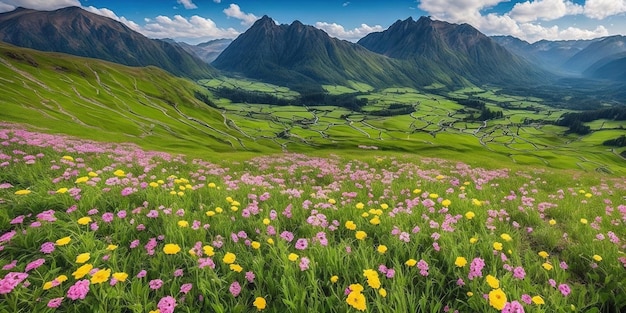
[98, 227]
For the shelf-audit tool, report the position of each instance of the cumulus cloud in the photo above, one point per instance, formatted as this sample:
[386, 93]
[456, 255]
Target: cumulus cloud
[234, 11]
[600, 9]
[336, 30]
[196, 28]
[544, 10]
[188, 4]
[523, 19]
[46, 5]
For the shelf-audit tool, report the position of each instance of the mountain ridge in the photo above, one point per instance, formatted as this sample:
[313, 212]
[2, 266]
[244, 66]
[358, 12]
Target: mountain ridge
[76, 31]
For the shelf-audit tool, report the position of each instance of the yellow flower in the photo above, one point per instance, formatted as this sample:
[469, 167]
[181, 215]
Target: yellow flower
[119, 173]
[492, 281]
[543, 254]
[477, 202]
[439, 177]
[411, 262]
[92, 174]
[350, 225]
[62, 190]
[259, 303]
[547, 266]
[270, 241]
[292, 257]
[373, 281]
[497, 246]
[365, 214]
[236, 268]
[538, 300]
[497, 299]
[171, 248]
[588, 195]
[180, 193]
[83, 257]
[334, 279]
[229, 258]
[446, 203]
[356, 287]
[433, 196]
[82, 271]
[460, 261]
[153, 184]
[473, 240]
[375, 220]
[63, 241]
[357, 300]
[67, 158]
[469, 293]
[382, 292]
[255, 245]
[584, 221]
[183, 224]
[360, 205]
[469, 215]
[597, 258]
[506, 237]
[381, 249]
[120, 276]
[61, 278]
[234, 208]
[211, 185]
[84, 220]
[552, 222]
[47, 285]
[22, 192]
[332, 201]
[111, 247]
[219, 210]
[266, 221]
[100, 276]
[416, 191]
[210, 213]
[229, 199]
[360, 235]
[384, 206]
[80, 180]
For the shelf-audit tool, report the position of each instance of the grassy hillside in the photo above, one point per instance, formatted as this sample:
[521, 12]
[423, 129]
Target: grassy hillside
[104, 101]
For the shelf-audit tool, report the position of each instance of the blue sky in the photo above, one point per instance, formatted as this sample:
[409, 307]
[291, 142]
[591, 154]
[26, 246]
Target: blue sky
[195, 21]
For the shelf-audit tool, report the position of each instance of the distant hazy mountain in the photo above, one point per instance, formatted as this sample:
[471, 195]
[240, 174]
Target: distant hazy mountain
[612, 67]
[206, 51]
[297, 55]
[551, 55]
[596, 51]
[451, 48]
[75, 31]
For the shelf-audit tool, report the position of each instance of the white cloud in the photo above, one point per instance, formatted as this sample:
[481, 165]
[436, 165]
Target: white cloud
[522, 20]
[181, 28]
[110, 14]
[345, 4]
[336, 30]
[544, 10]
[188, 4]
[234, 11]
[46, 5]
[217, 1]
[600, 9]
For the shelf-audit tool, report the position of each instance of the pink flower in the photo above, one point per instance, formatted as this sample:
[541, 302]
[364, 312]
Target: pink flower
[34, 264]
[304, 263]
[10, 281]
[155, 284]
[55, 303]
[513, 307]
[185, 288]
[250, 276]
[302, 243]
[564, 289]
[178, 273]
[167, 304]
[142, 274]
[79, 290]
[519, 272]
[235, 288]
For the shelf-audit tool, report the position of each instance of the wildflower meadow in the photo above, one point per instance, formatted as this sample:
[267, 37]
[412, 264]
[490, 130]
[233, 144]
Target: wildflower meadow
[100, 227]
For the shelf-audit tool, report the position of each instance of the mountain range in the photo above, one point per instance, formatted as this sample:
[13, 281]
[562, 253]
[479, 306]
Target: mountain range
[598, 58]
[75, 31]
[421, 53]
[410, 53]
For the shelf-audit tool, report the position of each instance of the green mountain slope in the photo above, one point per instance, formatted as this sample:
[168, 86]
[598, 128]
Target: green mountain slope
[106, 101]
[75, 31]
[297, 55]
[457, 50]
